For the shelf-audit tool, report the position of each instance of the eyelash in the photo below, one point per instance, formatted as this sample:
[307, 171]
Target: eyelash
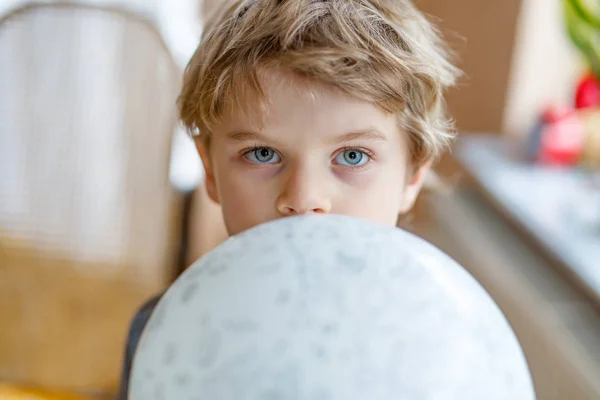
[367, 152]
[257, 147]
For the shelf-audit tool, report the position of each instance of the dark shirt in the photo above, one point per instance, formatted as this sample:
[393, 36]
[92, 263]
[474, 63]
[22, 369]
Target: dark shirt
[135, 332]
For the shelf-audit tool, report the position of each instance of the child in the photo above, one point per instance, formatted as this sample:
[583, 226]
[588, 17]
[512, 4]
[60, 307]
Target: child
[314, 106]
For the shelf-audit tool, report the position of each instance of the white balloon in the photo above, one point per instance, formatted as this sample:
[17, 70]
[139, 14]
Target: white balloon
[328, 308]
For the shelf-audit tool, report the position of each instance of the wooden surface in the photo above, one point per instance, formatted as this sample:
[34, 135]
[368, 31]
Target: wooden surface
[559, 329]
[482, 33]
[63, 328]
[10, 392]
[545, 204]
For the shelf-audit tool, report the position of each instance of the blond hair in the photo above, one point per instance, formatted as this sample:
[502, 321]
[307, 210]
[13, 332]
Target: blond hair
[382, 51]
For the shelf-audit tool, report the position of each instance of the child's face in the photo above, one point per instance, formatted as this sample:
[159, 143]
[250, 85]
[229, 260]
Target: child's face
[315, 151]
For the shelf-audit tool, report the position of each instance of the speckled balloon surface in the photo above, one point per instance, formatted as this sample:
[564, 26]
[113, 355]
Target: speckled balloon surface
[328, 308]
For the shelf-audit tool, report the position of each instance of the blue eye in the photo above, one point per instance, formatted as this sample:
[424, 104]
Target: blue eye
[351, 158]
[262, 155]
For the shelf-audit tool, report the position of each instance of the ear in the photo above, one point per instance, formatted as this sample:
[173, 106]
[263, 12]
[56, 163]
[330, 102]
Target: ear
[209, 180]
[413, 188]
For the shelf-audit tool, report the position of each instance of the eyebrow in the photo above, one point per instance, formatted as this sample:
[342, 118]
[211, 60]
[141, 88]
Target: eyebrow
[368, 134]
[244, 136]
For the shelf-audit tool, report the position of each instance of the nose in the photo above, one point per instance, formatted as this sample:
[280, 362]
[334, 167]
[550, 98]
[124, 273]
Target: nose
[303, 193]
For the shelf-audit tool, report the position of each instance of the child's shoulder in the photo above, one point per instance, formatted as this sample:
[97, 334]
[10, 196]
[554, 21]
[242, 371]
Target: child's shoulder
[138, 323]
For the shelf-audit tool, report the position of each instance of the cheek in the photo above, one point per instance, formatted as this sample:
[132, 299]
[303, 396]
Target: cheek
[249, 181]
[246, 196]
[355, 179]
[243, 190]
[241, 206]
[387, 178]
[375, 194]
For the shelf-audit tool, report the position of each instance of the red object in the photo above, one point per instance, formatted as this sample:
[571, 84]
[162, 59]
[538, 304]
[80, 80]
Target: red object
[562, 141]
[588, 92]
[554, 114]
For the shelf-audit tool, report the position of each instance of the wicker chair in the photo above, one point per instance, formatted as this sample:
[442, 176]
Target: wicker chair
[89, 224]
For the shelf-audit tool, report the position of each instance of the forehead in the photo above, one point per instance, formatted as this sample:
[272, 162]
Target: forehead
[289, 100]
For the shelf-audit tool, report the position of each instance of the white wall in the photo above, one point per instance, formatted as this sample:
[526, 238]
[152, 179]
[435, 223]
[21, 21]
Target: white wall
[545, 66]
[180, 25]
[178, 20]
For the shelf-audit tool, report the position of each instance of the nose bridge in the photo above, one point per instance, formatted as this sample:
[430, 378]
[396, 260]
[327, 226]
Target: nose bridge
[304, 190]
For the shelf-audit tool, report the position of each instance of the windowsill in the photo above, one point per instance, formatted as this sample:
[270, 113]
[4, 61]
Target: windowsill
[544, 204]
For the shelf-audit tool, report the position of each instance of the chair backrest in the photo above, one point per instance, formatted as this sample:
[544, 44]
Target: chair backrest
[87, 115]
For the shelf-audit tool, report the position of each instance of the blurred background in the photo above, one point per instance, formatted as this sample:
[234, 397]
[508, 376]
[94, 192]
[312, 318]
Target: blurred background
[102, 203]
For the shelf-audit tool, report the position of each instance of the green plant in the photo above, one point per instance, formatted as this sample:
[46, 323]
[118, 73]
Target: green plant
[583, 26]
